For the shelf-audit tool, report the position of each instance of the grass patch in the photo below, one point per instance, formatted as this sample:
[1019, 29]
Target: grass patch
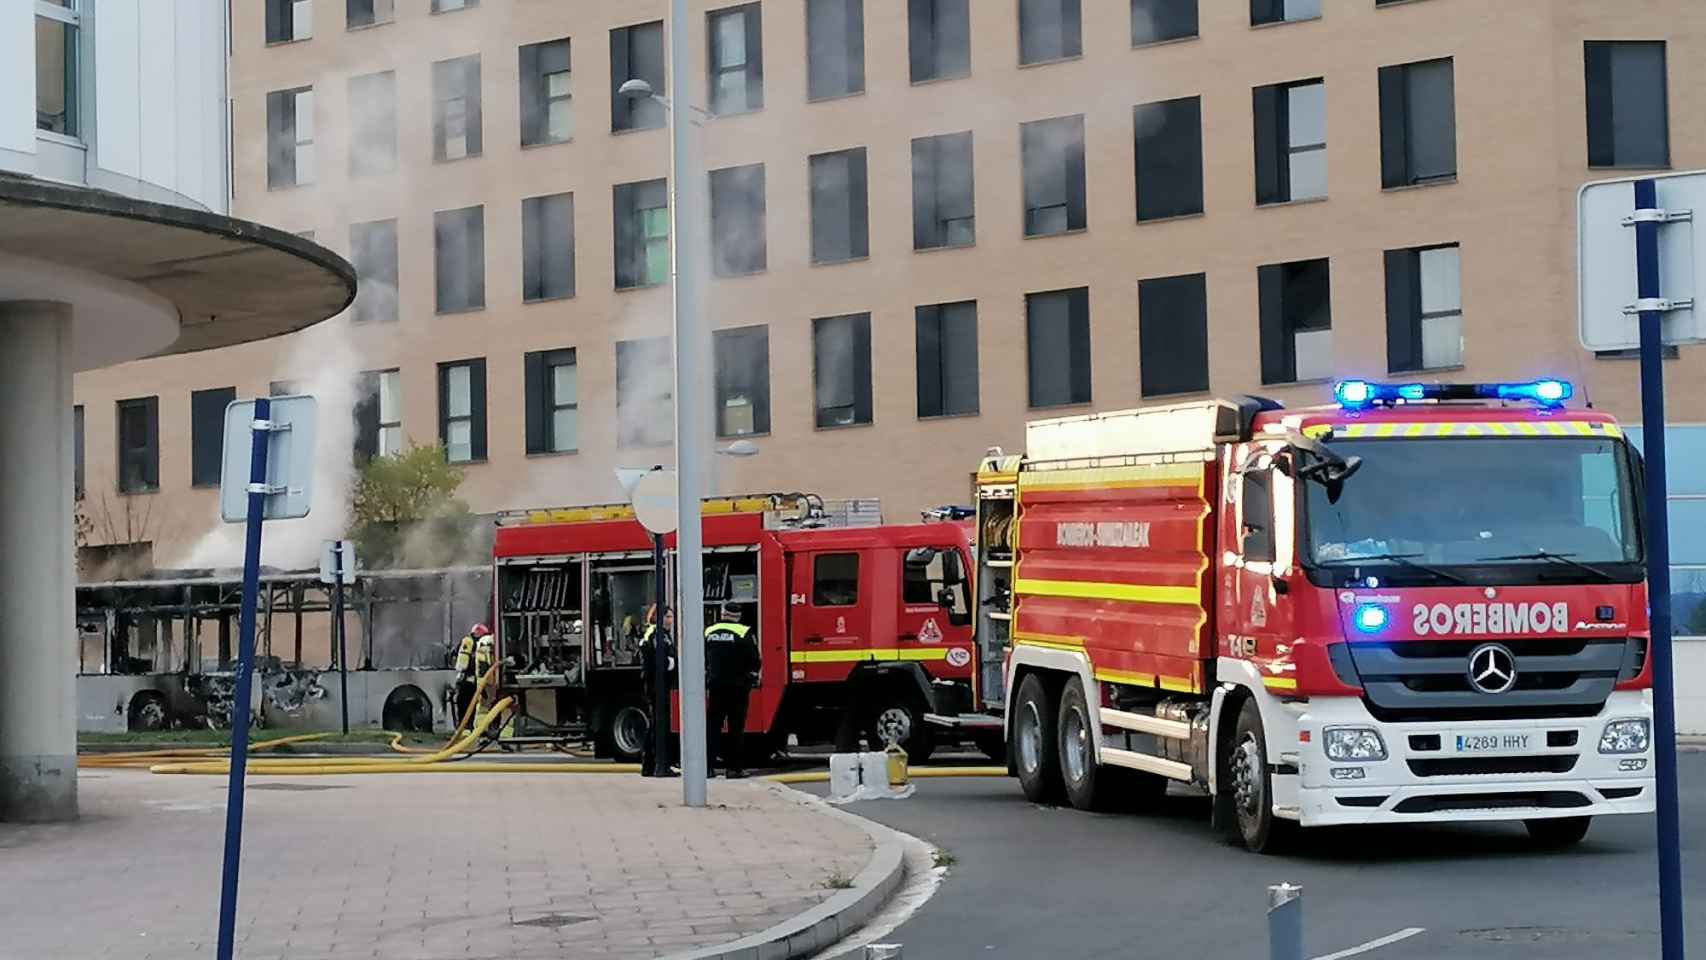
[942, 857]
[838, 881]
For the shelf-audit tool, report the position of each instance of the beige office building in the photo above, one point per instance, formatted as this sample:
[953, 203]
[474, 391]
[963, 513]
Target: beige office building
[933, 220]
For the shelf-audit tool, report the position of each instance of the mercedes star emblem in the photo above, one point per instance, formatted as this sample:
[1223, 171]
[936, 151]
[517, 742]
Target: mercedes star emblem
[1492, 668]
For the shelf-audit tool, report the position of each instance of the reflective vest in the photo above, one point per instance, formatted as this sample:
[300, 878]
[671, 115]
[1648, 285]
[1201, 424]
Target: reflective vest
[465, 656]
[731, 658]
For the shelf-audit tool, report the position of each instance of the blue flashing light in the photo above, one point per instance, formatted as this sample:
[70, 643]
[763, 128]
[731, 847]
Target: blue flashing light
[1551, 393]
[1372, 618]
[1354, 393]
[1412, 391]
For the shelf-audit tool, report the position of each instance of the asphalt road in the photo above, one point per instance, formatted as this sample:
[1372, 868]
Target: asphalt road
[1033, 882]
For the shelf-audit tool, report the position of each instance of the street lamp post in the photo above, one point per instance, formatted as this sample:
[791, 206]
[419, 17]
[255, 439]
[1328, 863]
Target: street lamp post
[692, 347]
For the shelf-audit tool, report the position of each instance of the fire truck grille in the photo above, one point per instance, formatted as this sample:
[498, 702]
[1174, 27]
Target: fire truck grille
[1489, 766]
[1428, 681]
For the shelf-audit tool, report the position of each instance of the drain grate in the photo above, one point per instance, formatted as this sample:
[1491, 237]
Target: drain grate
[552, 921]
[298, 787]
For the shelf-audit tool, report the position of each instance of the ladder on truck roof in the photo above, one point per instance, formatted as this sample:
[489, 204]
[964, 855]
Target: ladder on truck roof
[780, 510]
[1186, 431]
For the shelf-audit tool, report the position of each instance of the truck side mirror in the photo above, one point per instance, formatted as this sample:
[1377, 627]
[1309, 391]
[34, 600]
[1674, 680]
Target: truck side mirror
[945, 598]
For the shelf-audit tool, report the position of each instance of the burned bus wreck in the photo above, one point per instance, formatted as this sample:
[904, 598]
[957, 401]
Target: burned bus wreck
[158, 652]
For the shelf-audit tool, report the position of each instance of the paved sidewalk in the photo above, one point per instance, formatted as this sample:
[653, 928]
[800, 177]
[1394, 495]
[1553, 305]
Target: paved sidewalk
[427, 866]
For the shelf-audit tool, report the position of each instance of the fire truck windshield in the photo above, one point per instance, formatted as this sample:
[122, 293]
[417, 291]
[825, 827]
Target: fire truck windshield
[1441, 507]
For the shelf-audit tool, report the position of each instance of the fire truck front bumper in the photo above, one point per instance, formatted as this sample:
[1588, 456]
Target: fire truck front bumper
[1352, 769]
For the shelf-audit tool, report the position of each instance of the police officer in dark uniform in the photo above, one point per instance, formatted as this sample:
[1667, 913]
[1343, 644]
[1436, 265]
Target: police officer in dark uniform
[731, 671]
[651, 765]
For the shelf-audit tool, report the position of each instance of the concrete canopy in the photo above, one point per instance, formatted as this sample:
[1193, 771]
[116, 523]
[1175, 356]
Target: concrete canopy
[149, 279]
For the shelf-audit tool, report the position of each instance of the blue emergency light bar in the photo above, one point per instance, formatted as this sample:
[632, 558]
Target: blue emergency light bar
[1361, 394]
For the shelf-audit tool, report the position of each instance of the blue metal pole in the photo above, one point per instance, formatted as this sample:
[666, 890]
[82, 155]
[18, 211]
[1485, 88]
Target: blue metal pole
[1658, 575]
[245, 671]
[1285, 922]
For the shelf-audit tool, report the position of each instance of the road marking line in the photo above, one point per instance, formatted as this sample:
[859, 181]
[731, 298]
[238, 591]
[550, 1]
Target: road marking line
[1385, 941]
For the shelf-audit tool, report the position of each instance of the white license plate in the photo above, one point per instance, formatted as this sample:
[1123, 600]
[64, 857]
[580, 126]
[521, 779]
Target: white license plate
[1502, 743]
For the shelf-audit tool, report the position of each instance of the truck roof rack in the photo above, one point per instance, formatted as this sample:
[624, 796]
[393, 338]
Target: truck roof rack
[780, 510]
[1174, 430]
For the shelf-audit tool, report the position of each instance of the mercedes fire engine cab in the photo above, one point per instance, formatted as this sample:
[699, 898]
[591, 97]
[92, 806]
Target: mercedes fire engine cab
[862, 628]
[1424, 603]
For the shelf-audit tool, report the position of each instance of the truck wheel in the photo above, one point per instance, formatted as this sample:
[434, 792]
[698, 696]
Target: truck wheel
[1558, 832]
[629, 728]
[1035, 743]
[1088, 787]
[1253, 785]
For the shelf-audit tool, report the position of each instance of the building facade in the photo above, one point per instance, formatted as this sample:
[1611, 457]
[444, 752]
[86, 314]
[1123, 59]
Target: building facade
[931, 221]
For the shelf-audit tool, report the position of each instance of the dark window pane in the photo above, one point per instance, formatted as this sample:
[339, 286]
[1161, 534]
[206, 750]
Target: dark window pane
[737, 59]
[547, 95]
[1049, 30]
[459, 248]
[835, 41]
[645, 384]
[841, 370]
[456, 108]
[139, 445]
[835, 580]
[366, 13]
[1153, 21]
[462, 410]
[642, 234]
[943, 192]
[207, 434]
[1057, 344]
[1279, 11]
[939, 38]
[1053, 161]
[1627, 104]
[1169, 158]
[840, 229]
[742, 381]
[1418, 124]
[636, 53]
[373, 253]
[738, 243]
[1296, 321]
[1173, 334]
[548, 247]
[77, 451]
[947, 359]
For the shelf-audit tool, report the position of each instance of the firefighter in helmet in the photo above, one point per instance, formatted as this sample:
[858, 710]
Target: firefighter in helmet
[731, 671]
[468, 666]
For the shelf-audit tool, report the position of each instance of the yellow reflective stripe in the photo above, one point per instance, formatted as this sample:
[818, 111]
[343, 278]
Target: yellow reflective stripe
[857, 656]
[1049, 644]
[1178, 684]
[1386, 430]
[1531, 429]
[1494, 428]
[1416, 430]
[1121, 676]
[1280, 683]
[1318, 431]
[1500, 429]
[1106, 478]
[1612, 430]
[1135, 593]
[1052, 639]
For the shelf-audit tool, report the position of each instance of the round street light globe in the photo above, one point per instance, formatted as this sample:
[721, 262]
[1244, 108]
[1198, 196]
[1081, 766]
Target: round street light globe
[636, 89]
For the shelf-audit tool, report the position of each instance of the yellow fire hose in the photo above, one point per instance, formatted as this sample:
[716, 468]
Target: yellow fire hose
[144, 758]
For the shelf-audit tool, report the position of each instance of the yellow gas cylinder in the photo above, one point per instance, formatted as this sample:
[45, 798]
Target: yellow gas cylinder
[897, 766]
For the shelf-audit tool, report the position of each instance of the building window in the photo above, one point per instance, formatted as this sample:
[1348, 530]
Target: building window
[642, 234]
[139, 445]
[379, 415]
[1157, 21]
[1291, 141]
[373, 253]
[636, 53]
[1628, 104]
[373, 124]
[553, 402]
[738, 244]
[645, 393]
[548, 247]
[462, 410]
[840, 228]
[1049, 30]
[57, 64]
[1053, 158]
[841, 370]
[366, 13]
[456, 108]
[1296, 321]
[459, 259]
[547, 96]
[1418, 123]
[1057, 346]
[947, 359]
[939, 39]
[835, 48]
[1281, 11]
[1168, 158]
[290, 138]
[207, 434]
[284, 388]
[944, 208]
[288, 20]
[1172, 325]
[737, 59]
[1424, 309]
[743, 381]
[446, 6]
[77, 485]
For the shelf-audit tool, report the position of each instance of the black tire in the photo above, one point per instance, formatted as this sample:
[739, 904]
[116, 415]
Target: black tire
[148, 712]
[622, 732]
[1558, 832]
[1035, 742]
[993, 744]
[1088, 787]
[1251, 777]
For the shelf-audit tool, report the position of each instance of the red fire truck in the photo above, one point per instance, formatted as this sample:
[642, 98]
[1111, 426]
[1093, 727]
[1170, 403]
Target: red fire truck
[1426, 602]
[862, 629]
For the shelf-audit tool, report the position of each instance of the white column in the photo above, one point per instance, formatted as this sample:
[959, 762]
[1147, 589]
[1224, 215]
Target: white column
[38, 656]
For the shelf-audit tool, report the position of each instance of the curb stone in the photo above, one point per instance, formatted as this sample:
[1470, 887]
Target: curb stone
[835, 918]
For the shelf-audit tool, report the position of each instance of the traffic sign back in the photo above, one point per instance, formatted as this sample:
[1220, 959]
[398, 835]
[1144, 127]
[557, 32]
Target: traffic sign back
[1605, 245]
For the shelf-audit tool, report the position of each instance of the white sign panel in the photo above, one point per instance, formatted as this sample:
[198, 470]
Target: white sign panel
[654, 501]
[327, 561]
[290, 460]
[1607, 284]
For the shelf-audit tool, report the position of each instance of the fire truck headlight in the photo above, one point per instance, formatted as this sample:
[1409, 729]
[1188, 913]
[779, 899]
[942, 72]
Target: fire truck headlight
[1354, 744]
[1626, 736]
